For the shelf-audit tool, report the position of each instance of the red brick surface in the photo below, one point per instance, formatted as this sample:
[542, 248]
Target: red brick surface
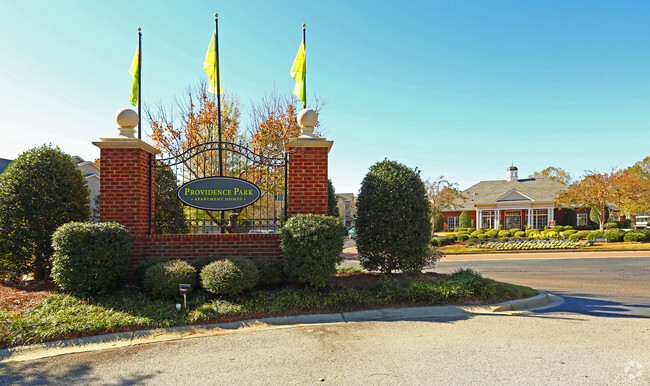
[307, 180]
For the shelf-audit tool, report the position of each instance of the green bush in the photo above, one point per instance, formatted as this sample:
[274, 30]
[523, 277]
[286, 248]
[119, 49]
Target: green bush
[90, 258]
[570, 218]
[482, 237]
[611, 225]
[558, 228]
[464, 221]
[463, 236]
[393, 219]
[162, 280]
[141, 269]
[634, 236]
[504, 233]
[583, 234]
[229, 276]
[492, 233]
[332, 207]
[312, 244]
[470, 230]
[476, 233]
[595, 235]
[40, 190]
[568, 227]
[466, 233]
[452, 238]
[438, 223]
[531, 231]
[520, 234]
[573, 237]
[202, 261]
[551, 234]
[271, 272]
[446, 240]
[435, 241]
[514, 230]
[568, 233]
[615, 235]
[168, 208]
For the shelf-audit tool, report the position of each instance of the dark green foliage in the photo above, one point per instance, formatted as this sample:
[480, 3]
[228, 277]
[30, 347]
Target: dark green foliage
[634, 236]
[393, 219]
[435, 241]
[482, 237]
[202, 261]
[463, 236]
[611, 225]
[168, 208]
[438, 222]
[41, 190]
[593, 217]
[271, 272]
[614, 235]
[514, 230]
[141, 269]
[90, 258]
[520, 234]
[504, 233]
[464, 221]
[332, 207]
[595, 235]
[492, 233]
[162, 280]
[229, 276]
[569, 217]
[311, 245]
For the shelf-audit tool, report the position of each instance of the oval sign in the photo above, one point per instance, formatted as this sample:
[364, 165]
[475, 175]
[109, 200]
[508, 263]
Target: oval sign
[219, 193]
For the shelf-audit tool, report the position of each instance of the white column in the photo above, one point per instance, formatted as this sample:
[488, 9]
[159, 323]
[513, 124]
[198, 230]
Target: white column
[530, 218]
[552, 211]
[478, 218]
[497, 218]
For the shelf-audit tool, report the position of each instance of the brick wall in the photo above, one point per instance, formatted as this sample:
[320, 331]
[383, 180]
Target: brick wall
[308, 180]
[124, 188]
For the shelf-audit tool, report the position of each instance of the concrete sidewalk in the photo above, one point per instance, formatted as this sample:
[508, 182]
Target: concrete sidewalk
[131, 338]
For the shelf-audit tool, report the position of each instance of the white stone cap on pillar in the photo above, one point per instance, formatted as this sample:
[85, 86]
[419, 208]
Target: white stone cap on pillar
[127, 120]
[307, 120]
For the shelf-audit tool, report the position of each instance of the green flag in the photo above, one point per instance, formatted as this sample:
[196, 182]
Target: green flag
[299, 73]
[211, 64]
[135, 82]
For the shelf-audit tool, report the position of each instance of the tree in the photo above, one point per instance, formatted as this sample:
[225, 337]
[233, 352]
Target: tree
[167, 205]
[442, 194]
[464, 221]
[393, 219]
[332, 207]
[438, 222]
[40, 190]
[639, 200]
[597, 191]
[556, 174]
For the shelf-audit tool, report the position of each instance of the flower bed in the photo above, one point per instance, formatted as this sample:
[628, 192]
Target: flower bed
[517, 245]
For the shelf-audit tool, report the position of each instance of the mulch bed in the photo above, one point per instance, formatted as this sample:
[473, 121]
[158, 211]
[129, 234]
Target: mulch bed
[24, 294]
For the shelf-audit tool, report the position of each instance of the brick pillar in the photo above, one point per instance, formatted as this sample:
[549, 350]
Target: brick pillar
[126, 177]
[307, 181]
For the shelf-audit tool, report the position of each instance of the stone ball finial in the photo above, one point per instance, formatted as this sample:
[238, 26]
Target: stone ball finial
[307, 120]
[128, 120]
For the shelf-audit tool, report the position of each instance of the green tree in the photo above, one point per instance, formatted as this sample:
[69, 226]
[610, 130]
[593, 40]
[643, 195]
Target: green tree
[169, 214]
[464, 221]
[438, 222]
[393, 220]
[332, 208]
[40, 190]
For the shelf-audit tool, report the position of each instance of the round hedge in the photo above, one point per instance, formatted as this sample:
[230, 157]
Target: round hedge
[90, 258]
[520, 234]
[141, 269]
[162, 280]
[271, 271]
[229, 276]
[463, 236]
[614, 235]
[202, 261]
[634, 236]
[504, 233]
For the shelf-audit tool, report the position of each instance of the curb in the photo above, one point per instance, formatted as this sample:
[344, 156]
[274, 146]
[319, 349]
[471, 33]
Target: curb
[515, 252]
[131, 338]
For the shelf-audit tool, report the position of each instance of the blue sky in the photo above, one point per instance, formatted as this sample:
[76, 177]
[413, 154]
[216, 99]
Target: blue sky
[462, 89]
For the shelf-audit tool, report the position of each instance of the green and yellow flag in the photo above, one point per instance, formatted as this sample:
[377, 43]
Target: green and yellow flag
[135, 82]
[299, 73]
[211, 64]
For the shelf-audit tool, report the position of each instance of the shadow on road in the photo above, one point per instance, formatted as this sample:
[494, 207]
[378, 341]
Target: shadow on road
[38, 373]
[585, 305]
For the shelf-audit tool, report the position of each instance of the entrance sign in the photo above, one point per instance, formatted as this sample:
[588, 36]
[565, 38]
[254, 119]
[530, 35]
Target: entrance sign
[219, 193]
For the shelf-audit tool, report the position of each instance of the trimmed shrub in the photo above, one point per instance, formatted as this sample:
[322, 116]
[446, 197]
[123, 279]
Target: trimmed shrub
[470, 230]
[463, 236]
[634, 236]
[452, 238]
[438, 222]
[611, 225]
[568, 227]
[520, 234]
[332, 207]
[583, 234]
[435, 241]
[393, 219]
[229, 276]
[40, 190]
[476, 233]
[482, 237]
[595, 235]
[531, 231]
[573, 237]
[162, 280]
[90, 258]
[551, 234]
[464, 220]
[568, 233]
[141, 269]
[615, 235]
[271, 272]
[492, 233]
[312, 244]
[202, 261]
[514, 230]
[504, 233]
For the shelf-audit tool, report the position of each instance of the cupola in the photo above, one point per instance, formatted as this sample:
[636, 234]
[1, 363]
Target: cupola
[511, 174]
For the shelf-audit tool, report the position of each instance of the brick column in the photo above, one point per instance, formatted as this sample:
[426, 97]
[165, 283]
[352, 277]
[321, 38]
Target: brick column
[126, 177]
[307, 181]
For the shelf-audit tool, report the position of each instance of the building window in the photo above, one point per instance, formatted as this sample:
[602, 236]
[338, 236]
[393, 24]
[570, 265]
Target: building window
[582, 219]
[452, 222]
[512, 219]
[487, 219]
[540, 218]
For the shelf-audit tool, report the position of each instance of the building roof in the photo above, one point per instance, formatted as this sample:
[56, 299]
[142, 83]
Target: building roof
[491, 192]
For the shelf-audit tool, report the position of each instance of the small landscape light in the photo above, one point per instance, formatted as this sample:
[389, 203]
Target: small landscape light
[185, 289]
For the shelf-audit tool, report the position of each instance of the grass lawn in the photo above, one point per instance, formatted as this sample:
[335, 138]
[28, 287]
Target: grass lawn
[55, 316]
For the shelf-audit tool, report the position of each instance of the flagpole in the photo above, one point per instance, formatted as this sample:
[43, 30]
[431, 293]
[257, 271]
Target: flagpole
[304, 42]
[139, 82]
[216, 47]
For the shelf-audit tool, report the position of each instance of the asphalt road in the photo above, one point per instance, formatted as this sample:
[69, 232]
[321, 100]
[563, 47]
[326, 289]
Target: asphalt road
[600, 335]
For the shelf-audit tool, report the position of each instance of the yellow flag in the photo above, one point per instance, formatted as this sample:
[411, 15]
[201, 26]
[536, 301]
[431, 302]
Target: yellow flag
[211, 65]
[299, 73]
[135, 82]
